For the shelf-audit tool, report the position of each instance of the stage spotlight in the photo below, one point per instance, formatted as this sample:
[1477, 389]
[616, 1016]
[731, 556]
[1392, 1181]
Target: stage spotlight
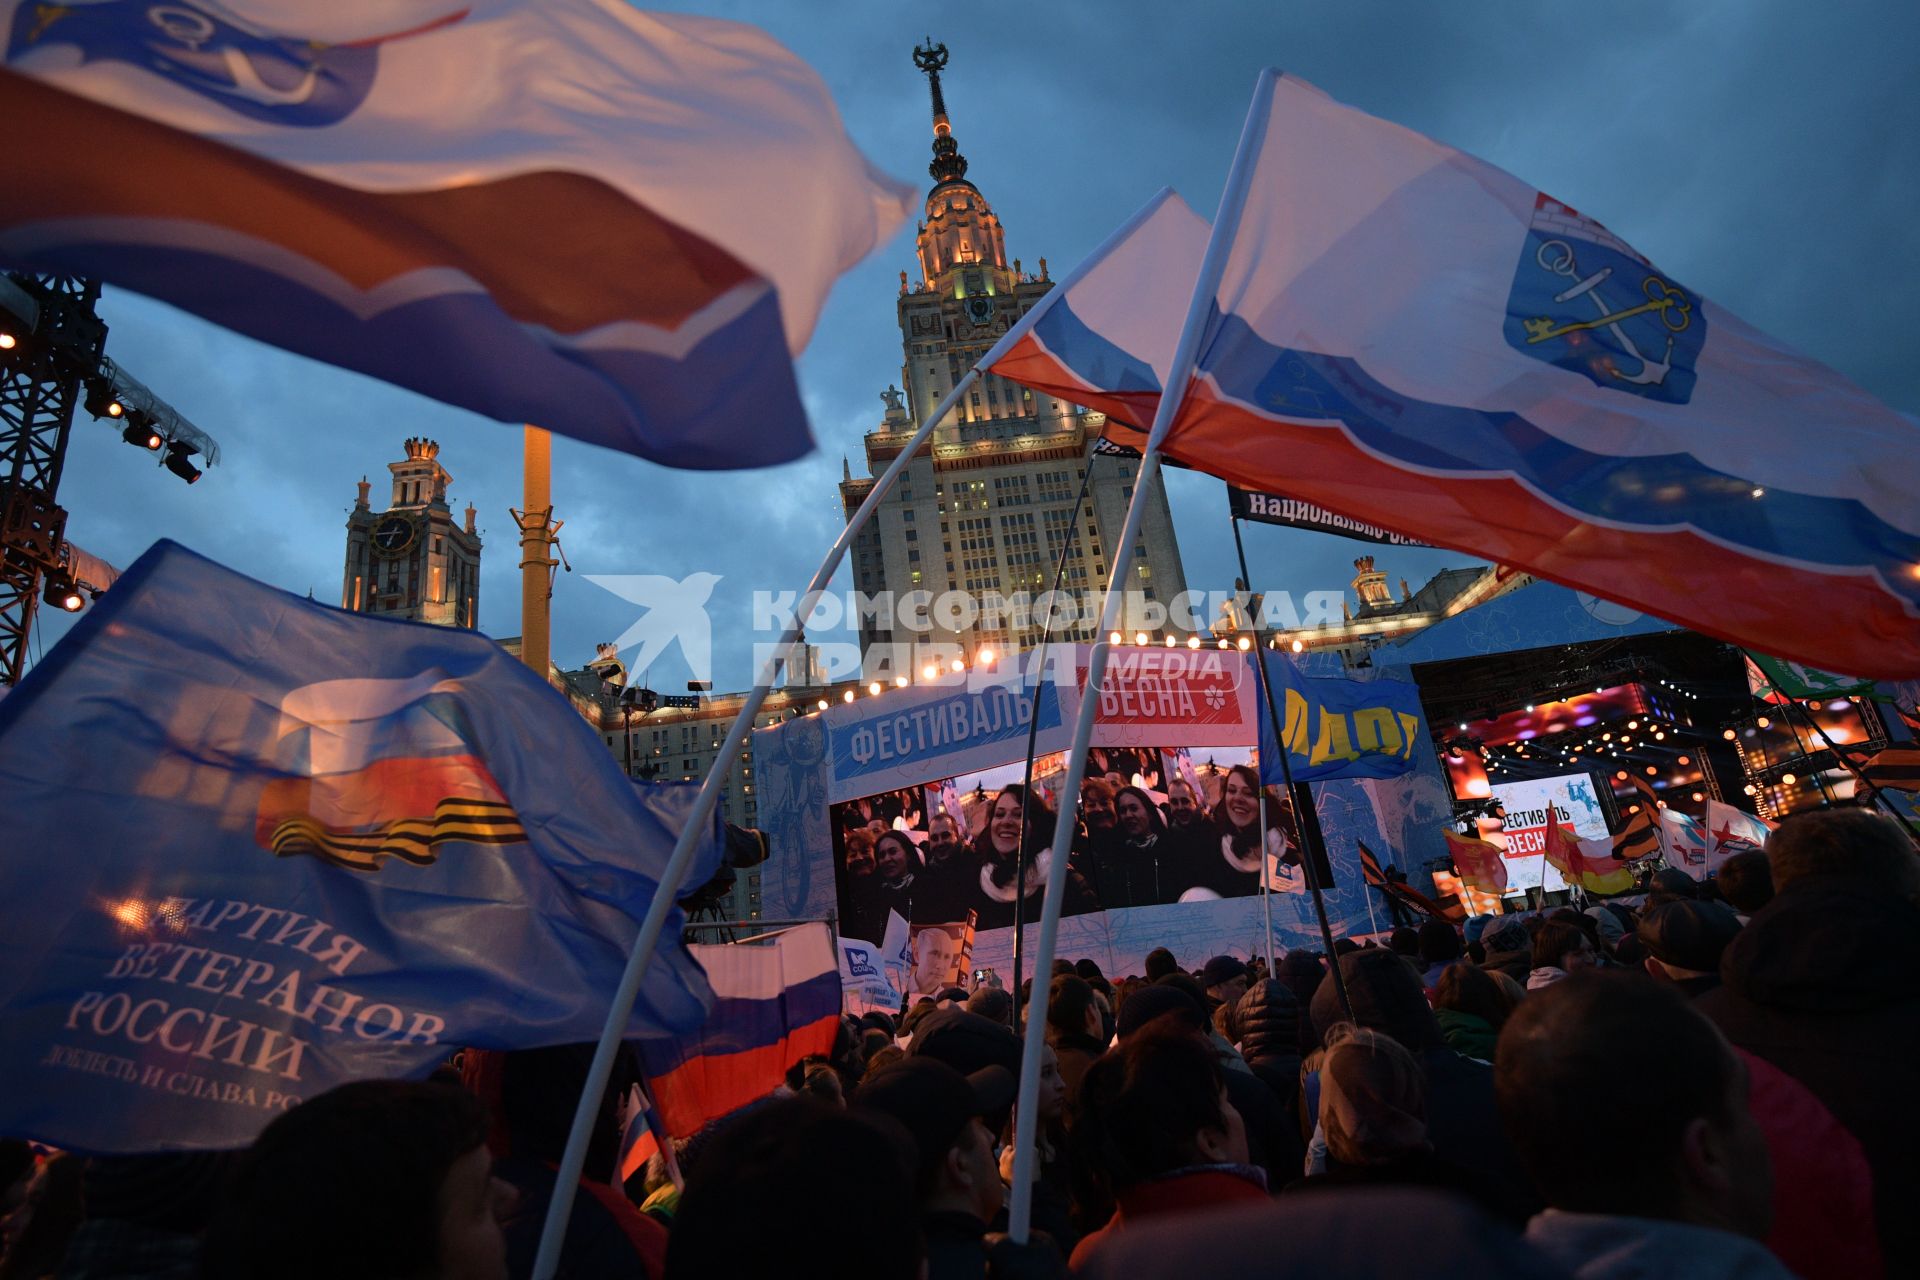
[847, 696]
[1764, 723]
[1113, 637]
[1171, 642]
[177, 454]
[7, 341]
[1788, 779]
[984, 658]
[874, 688]
[1193, 642]
[1728, 734]
[823, 704]
[101, 402]
[1298, 646]
[930, 672]
[61, 593]
[1245, 643]
[1139, 637]
[899, 682]
[142, 435]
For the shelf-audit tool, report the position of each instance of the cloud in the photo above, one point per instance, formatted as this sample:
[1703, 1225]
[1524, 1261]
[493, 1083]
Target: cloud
[1762, 154]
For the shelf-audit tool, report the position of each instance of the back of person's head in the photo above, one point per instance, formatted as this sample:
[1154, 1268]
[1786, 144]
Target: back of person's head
[1671, 882]
[368, 1180]
[1554, 941]
[539, 1089]
[966, 1042]
[1386, 995]
[881, 1060]
[1746, 881]
[1373, 1098]
[1069, 1000]
[1088, 968]
[1268, 1020]
[1160, 963]
[814, 1075]
[1188, 983]
[797, 1189]
[993, 1004]
[1404, 941]
[1439, 944]
[1158, 1000]
[1844, 842]
[1687, 938]
[171, 1191]
[1154, 1105]
[1506, 934]
[1687, 1150]
[1466, 988]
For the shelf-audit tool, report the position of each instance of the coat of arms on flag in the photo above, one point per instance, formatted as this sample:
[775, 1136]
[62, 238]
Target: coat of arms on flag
[1585, 301]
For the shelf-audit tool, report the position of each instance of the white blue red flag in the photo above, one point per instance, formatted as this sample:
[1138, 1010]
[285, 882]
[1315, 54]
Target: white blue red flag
[775, 1002]
[1408, 336]
[616, 224]
[1104, 336]
[258, 847]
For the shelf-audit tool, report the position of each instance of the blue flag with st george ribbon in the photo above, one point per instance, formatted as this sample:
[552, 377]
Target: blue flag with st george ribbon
[261, 847]
[1338, 728]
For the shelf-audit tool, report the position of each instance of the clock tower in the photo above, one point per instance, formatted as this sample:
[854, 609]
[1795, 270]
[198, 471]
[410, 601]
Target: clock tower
[411, 560]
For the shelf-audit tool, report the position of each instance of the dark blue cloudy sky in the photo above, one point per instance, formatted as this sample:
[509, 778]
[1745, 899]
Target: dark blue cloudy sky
[1763, 153]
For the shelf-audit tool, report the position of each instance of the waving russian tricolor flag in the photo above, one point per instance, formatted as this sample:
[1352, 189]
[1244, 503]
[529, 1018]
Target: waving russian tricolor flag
[1104, 336]
[774, 1003]
[616, 224]
[1409, 336]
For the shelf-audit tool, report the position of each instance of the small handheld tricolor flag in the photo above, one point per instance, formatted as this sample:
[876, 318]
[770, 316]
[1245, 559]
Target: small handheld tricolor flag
[775, 1002]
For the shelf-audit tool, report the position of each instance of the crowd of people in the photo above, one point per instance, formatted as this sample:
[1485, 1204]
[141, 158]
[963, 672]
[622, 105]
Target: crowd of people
[1132, 848]
[1714, 1083]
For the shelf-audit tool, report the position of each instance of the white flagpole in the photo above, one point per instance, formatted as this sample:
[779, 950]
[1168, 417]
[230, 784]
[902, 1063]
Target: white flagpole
[560, 1208]
[1225, 224]
[575, 1157]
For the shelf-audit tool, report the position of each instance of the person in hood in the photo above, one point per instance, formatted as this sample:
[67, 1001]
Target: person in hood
[1825, 984]
[1672, 1184]
[1439, 946]
[1559, 948]
[1471, 1009]
[1269, 1018]
[1000, 845]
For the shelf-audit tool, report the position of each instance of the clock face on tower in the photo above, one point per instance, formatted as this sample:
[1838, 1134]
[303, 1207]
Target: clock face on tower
[393, 535]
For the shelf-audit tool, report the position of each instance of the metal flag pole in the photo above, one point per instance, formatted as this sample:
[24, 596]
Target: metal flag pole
[1037, 665]
[574, 1159]
[1266, 889]
[1212, 266]
[1306, 818]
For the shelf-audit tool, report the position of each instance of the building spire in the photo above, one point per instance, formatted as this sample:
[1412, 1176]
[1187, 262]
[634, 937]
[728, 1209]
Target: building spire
[948, 164]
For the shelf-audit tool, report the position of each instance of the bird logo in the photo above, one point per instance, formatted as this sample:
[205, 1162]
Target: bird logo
[673, 610]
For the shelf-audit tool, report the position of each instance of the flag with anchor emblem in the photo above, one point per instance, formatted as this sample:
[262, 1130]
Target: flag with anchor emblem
[266, 847]
[1407, 336]
[617, 224]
